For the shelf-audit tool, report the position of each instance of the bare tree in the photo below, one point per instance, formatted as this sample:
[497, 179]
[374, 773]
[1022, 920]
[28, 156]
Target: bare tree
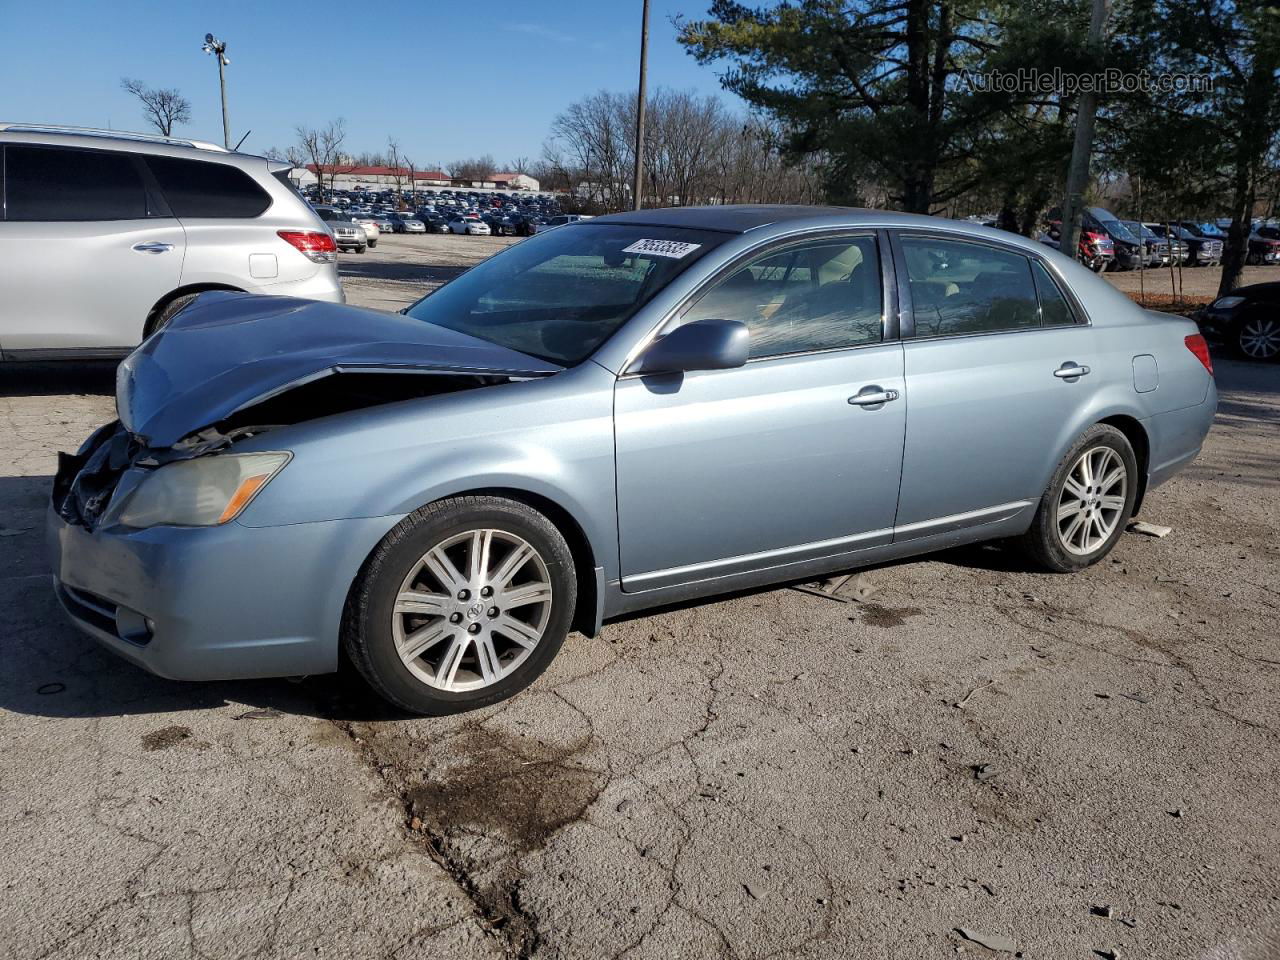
[164, 109]
[696, 151]
[473, 168]
[394, 160]
[520, 165]
[323, 148]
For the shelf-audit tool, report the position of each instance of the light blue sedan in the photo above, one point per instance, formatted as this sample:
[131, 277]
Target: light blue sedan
[621, 413]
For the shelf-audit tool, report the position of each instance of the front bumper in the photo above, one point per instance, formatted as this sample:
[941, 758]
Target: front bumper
[213, 603]
[1216, 325]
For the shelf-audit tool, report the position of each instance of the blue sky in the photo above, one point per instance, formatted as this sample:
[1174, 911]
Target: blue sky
[447, 83]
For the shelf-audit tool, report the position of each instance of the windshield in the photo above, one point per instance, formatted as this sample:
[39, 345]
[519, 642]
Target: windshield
[1117, 229]
[558, 296]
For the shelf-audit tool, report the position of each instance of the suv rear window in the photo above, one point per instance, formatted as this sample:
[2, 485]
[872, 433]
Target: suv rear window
[55, 183]
[197, 188]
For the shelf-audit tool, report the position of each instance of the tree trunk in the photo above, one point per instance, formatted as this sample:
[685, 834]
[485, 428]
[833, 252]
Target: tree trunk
[1251, 151]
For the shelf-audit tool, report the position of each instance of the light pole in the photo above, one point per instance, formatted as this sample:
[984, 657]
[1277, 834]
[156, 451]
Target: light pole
[219, 49]
[640, 98]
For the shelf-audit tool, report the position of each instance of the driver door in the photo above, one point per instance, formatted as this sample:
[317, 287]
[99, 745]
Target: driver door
[721, 472]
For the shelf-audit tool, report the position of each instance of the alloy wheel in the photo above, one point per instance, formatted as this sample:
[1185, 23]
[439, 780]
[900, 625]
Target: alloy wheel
[471, 610]
[1092, 500]
[1260, 338]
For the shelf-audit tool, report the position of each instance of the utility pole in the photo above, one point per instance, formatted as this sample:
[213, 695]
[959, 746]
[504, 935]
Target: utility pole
[219, 49]
[640, 99]
[1078, 172]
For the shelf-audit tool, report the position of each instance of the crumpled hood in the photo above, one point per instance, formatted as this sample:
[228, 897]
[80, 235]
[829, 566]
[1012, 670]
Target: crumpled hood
[228, 351]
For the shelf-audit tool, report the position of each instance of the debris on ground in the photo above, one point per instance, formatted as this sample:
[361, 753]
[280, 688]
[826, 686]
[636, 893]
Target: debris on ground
[831, 588]
[1107, 954]
[1150, 529]
[1176, 813]
[755, 893]
[1138, 697]
[984, 771]
[992, 941]
[47, 688]
[267, 714]
[1101, 911]
[959, 704]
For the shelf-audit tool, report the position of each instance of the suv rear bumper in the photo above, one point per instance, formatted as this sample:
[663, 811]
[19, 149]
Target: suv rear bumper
[322, 285]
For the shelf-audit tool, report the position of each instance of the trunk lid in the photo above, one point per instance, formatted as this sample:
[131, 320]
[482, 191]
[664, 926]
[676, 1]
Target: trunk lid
[229, 351]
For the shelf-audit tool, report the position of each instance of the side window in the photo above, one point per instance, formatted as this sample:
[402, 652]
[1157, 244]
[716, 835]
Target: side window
[52, 183]
[200, 188]
[1055, 311]
[959, 288]
[820, 295]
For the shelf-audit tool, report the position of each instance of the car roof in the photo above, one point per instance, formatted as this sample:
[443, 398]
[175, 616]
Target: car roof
[742, 219]
[95, 138]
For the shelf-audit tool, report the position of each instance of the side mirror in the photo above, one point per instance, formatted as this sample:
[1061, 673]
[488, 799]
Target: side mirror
[701, 345]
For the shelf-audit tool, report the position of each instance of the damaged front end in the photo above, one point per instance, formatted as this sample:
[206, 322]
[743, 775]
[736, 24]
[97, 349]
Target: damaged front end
[91, 486]
[232, 366]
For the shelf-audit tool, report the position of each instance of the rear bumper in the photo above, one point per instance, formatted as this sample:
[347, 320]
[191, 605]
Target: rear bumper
[213, 603]
[1177, 436]
[322, 285]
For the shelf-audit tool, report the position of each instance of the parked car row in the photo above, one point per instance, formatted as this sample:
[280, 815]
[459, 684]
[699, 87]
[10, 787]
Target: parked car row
[1109, 243]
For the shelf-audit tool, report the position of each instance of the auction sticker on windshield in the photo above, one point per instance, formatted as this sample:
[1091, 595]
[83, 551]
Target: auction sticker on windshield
[662, 248]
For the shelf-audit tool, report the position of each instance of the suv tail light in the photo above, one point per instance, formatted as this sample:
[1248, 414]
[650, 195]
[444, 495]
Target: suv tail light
[316, 246]
[1195, 343]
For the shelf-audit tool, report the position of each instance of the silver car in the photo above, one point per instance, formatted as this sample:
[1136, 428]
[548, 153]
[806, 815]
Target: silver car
[633, 411]
[105, 236]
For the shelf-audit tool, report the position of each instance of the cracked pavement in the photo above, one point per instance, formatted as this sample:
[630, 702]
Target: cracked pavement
[773, 774]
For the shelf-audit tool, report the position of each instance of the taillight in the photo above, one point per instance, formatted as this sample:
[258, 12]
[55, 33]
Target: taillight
[1195, 343]
[316, 246]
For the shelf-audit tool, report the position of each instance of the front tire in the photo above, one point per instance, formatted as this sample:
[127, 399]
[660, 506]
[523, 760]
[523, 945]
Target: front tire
[1088, 502]
[463, 604]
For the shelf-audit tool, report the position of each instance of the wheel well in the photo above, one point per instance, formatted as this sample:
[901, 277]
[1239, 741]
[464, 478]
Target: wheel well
[584, 564]
[1137, 437]
[154, 313]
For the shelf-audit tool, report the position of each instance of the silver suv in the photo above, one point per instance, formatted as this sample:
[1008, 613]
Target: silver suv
[104, 236]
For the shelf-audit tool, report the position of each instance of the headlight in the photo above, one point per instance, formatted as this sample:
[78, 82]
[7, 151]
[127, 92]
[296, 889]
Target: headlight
[203, 492]
[1226, 303]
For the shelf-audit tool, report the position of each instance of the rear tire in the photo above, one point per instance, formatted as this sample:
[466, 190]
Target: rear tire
[439, 582]
[1085, 509]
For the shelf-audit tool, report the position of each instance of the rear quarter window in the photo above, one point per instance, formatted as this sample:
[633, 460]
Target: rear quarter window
[203, 189]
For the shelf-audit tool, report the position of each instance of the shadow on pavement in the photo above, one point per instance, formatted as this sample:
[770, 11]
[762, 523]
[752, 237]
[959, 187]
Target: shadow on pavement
[96, 377]
[400, 272]
[51, 669]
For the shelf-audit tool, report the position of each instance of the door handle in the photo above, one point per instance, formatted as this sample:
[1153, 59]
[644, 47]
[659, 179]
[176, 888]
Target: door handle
[153, 247]
[1071, 371]
[873, 397]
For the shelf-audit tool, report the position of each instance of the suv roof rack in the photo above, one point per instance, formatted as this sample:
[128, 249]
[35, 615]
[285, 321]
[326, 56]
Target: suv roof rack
[114, 134]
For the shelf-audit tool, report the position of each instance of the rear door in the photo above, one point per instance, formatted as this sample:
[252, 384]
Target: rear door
[87, 247]
[997, 359]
